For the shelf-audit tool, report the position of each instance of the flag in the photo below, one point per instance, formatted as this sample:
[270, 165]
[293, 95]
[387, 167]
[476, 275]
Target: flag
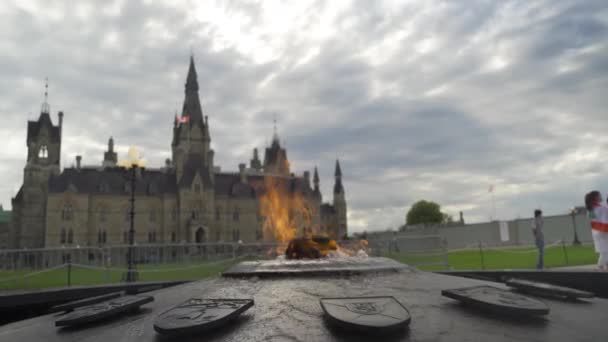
[491, 188]
[183, 119]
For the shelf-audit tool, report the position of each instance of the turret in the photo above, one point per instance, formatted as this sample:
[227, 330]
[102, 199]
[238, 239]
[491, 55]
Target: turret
[110, 157]
[340, 202]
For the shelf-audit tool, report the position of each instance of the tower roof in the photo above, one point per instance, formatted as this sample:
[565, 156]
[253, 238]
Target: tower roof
[192, 105]
[192, 78]
[338, 172]
[316, 176]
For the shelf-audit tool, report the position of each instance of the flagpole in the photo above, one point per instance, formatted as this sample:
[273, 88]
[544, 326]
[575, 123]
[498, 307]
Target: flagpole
[493, 207]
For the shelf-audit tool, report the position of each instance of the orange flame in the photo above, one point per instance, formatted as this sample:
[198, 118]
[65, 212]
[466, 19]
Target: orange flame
[287, 214]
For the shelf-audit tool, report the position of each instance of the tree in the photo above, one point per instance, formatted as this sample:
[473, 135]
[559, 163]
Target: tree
[425, 212]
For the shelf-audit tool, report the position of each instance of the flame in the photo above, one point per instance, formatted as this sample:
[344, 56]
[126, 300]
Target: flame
[286, 214]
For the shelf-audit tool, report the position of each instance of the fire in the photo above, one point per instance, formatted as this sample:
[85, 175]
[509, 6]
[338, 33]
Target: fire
[286, 214]
[291, 221]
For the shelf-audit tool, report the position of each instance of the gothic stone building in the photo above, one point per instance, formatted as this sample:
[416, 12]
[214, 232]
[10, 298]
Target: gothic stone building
[187, 200]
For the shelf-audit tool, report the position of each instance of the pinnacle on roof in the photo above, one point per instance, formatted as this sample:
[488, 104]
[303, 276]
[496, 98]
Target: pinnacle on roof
[316, 176]
[338, 172]
[191, 80]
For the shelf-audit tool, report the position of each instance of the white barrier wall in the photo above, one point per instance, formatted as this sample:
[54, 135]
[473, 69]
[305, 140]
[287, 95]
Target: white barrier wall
[519, 232]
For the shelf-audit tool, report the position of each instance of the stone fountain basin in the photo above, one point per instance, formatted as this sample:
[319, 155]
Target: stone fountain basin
[314, 267]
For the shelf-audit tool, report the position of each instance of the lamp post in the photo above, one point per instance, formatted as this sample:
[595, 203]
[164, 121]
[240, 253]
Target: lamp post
[576, 241]
[132, 165]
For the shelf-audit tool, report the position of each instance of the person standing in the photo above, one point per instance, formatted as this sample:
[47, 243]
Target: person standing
[539, 238]
[598, 215]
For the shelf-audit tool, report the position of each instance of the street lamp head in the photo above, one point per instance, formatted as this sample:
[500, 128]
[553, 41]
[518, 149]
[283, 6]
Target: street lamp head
[134, 159]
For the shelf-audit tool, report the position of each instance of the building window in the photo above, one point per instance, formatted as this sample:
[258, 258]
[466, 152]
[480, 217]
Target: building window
[103, 215]
[151, 236]
[152, 215]
[128, 215]
[235, 214]
[67, 214]
[43, 152]
[125, 237]
[70, 236]
[194, 214]
[197, 188]
[218, 214]
[62, 238]
[236, 235]
[101, 237]
[173, 237]
[174, 214]
[217, 236]
[258, 234]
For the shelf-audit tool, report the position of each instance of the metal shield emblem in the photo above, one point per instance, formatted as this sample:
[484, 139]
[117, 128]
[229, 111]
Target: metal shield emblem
[366, 313]
[70, 306]
[200, 314]
[109, 308]
[544, 289]
[498, 300]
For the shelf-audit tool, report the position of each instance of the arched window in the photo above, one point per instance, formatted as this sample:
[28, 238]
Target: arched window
[62, 236]
[236, 235]
[70, 236]
[173, 237]
[104, 237]
[43, 152]
[99, 237]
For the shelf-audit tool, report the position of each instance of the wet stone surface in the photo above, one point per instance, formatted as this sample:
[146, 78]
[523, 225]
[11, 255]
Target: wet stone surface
[288, 309]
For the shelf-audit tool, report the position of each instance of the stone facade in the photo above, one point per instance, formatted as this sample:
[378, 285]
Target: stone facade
[187, 200]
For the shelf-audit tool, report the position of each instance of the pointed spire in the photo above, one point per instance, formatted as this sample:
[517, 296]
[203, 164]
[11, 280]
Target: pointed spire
[275, 135]
[338, 172]
[46, 108]
[191, 80]
[192, 106]
[315, 178]
[111, 144]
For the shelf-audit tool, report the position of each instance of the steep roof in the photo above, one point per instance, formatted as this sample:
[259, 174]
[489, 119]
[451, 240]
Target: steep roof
[195, 165]
[34, 127]
[112, 180]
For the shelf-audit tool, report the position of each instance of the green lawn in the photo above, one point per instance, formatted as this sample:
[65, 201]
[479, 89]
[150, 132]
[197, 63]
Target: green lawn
[87, 276]
[511, 258]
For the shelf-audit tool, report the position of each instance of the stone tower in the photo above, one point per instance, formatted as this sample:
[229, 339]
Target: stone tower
[110, 157]
[191, 129]
[193, 162]
[340, 202]
[43, 156]
[275, 157]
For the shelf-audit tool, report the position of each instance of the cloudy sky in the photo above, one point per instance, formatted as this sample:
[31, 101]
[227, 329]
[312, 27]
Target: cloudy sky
[427, 100]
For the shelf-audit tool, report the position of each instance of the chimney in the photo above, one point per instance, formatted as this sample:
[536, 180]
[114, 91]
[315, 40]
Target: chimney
[242, 173]
[78, 160]
[307, 177]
